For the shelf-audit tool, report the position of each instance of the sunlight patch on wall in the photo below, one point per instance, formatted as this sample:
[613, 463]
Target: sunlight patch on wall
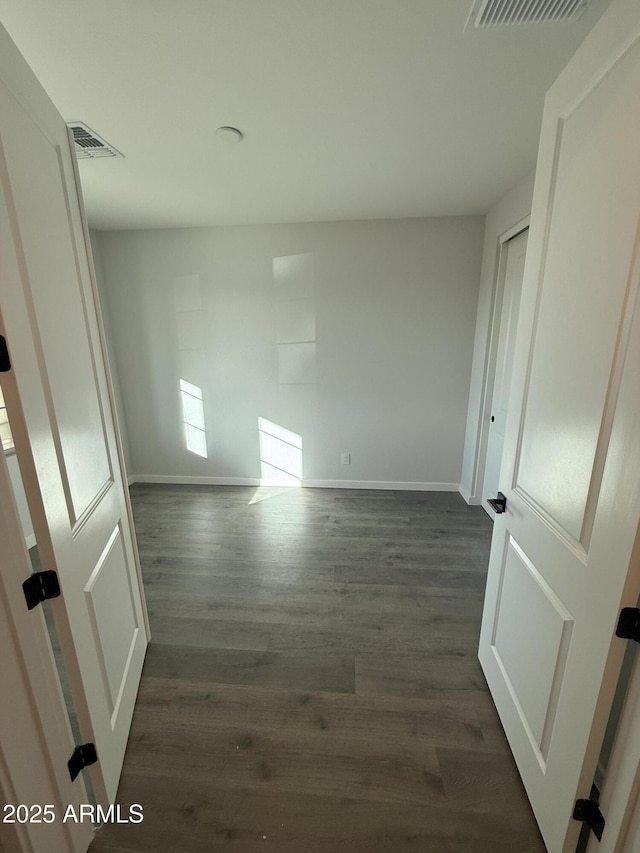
[195, 435]
[189, 323]
[280, 455]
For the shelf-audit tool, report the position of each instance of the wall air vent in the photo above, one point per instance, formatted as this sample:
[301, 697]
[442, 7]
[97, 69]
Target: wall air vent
[495, 13]
[89, 145]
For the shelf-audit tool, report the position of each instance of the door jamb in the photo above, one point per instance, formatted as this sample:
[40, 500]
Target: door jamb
[35, 717]
[621, 793]
[620, 796]
[488, 374]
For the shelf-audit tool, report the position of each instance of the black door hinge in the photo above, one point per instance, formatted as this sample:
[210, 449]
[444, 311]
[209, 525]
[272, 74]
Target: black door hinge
[39, 587]
[588, 811]
[83, 756]
[629, 624]
[5, 361]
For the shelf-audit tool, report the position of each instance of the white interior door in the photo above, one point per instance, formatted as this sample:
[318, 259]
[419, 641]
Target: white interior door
[59, 407]
[561, 558]
[515, 251]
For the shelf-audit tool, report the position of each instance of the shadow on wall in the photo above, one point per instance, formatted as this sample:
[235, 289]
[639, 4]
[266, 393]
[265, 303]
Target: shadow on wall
[293, 280]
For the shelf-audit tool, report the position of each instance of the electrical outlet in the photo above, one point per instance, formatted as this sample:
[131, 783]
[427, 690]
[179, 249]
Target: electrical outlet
[345, 459]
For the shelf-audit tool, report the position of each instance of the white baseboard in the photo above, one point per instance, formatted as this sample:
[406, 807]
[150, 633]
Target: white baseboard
[472, 500]
[383, 485]
[466, 494]
[30, 540]
[193, 481]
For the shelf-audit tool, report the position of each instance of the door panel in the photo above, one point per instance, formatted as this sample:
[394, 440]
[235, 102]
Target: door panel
[560, 566]
[565, 417]
[59, 406]
[532, 632]
[117, 630]
[40, 205]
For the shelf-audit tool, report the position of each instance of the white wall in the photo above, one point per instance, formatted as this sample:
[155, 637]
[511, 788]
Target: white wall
[507, 212]
[356, 335]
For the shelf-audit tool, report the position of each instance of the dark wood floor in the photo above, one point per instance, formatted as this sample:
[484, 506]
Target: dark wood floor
[312, 683]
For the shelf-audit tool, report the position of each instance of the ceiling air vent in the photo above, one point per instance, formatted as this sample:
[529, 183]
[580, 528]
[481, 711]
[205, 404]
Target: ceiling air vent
[89, 145]
[494, 13]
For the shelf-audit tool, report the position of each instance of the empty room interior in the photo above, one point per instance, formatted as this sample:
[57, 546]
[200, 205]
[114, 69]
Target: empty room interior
[289, 406]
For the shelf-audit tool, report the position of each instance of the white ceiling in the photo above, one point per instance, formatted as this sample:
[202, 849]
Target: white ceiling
[351, 109]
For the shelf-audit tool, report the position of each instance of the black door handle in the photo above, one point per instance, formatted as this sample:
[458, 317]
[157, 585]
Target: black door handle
[499, 503]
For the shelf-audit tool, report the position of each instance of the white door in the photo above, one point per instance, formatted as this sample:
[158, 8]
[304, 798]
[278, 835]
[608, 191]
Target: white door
[59, 406]
[515, 251]
[561, 557]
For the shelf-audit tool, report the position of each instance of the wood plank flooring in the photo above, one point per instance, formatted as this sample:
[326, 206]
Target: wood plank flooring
[312, 683]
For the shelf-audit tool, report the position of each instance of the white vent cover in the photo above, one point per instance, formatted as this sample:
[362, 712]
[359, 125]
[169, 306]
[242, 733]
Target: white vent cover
[494, 13]
[89, 145]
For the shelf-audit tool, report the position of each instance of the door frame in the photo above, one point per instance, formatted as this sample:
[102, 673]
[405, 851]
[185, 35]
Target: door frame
[473, 494]
[620, 794]
[38, 742]
[620, 800]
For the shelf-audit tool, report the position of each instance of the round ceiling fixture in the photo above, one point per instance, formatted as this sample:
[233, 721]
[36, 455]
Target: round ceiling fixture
[230, 134]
